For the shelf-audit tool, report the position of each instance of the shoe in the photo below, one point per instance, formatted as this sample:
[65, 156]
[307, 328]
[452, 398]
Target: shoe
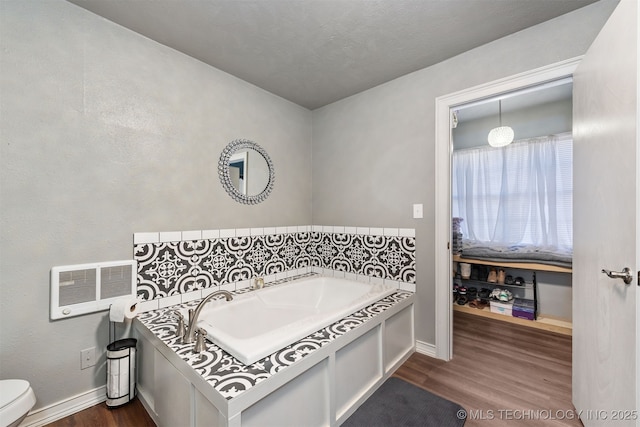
[505, 296]
[478, 303]
[483, 271]
[493, 276]
[481, 304]
[484, 294]
[501, 276]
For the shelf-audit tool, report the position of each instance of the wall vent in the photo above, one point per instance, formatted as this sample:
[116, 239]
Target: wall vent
[87, 288]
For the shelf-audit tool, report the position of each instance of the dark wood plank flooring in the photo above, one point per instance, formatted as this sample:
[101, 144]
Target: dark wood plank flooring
[132, 414]
[502, 374]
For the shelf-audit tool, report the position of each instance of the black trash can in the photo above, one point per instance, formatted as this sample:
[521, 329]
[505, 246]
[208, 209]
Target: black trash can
[121, 372]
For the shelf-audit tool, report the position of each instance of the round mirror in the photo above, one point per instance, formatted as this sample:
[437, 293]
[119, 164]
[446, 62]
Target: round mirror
[246, 171]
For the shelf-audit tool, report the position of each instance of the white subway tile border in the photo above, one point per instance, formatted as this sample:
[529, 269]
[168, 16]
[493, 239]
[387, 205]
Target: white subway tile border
[192, 235]
[191, 296]
[243, 232]
[210, 234]
[170, 236]
[350, 230]
[169, 301]
[257, 231]
[227, 233]
[390, 232]
[143, 238]
[407, 232]
[362, 230]
[145, 306]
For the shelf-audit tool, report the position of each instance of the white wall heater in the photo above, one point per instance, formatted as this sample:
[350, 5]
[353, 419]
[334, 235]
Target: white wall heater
[87, 288]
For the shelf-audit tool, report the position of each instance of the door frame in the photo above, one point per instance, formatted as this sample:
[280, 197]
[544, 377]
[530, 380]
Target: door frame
[443, 152]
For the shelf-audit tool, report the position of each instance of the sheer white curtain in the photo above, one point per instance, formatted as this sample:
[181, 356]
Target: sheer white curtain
[518, 194]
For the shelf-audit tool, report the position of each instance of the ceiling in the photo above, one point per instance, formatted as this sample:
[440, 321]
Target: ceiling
[315, 52]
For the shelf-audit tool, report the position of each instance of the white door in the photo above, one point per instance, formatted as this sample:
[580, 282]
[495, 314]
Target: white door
[605, 223]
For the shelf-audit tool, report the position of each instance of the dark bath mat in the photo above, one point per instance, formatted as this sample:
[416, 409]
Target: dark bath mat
[398, 403]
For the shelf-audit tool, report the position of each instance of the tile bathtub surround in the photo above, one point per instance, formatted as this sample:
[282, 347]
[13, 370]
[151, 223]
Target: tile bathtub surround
[229, 376]
[380, 256]
[177, 267]
[175, 263]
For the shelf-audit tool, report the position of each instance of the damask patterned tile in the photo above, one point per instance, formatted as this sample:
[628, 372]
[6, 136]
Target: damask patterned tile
[174, 267]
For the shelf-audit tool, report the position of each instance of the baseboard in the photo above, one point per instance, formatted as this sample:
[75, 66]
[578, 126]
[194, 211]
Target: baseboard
[426, 348]
[66, 407]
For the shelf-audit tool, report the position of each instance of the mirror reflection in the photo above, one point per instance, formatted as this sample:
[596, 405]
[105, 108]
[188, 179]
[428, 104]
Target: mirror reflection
[249, 172]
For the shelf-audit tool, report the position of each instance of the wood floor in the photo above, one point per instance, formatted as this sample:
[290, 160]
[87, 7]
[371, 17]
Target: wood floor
[132, 414]
[502, 374]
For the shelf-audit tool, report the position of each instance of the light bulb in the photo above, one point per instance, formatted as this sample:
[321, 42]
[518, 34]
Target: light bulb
[500, 136]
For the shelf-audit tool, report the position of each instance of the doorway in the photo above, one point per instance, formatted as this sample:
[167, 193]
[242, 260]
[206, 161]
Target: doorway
[512, 207]
[443, 149]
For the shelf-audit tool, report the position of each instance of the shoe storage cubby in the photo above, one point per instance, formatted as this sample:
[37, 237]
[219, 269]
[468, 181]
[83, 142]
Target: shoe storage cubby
[480, 278]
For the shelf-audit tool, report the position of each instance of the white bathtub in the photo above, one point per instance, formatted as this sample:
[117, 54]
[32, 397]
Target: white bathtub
[258, 323]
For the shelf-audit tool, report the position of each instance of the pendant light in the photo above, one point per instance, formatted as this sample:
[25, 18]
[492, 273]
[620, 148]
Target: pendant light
[502, 135]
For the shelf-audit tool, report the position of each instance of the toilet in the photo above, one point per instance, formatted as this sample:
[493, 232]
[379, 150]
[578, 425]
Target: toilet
[16, 400]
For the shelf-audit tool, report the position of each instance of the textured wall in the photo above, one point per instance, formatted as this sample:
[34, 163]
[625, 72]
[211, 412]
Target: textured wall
[373, 152]
[105, 133]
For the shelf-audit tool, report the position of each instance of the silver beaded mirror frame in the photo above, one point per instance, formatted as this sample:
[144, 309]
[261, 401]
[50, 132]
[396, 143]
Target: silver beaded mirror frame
[224, 172]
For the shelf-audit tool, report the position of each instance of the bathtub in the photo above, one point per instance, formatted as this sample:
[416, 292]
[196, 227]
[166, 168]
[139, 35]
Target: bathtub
[259, 323]
[318, 380]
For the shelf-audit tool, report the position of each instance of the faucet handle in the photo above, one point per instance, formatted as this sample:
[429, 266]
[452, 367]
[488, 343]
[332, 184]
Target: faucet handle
[181, 329]
[258, 283]
[201, 344]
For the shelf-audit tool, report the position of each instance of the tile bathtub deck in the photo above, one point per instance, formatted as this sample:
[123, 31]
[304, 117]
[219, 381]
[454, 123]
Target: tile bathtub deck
[229, 376]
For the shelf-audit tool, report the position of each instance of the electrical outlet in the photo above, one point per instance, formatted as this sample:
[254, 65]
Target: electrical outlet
[87, 358]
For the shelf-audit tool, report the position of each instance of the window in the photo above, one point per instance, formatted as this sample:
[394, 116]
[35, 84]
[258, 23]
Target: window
[518, 194]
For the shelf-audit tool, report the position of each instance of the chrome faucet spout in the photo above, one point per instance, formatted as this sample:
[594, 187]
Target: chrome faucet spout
[190, 336]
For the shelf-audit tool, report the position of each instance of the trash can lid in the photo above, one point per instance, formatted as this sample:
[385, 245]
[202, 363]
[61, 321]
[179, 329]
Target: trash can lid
[122, 344]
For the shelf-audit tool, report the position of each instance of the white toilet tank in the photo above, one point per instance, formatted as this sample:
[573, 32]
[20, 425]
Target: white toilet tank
[16, 400]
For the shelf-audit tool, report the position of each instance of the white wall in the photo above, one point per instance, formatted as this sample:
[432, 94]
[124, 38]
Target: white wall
[105, 133]
[373, 153]
[541, 120]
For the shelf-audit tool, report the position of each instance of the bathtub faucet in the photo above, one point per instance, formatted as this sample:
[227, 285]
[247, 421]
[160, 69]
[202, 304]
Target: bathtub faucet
[258, 283]
[190, 336]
